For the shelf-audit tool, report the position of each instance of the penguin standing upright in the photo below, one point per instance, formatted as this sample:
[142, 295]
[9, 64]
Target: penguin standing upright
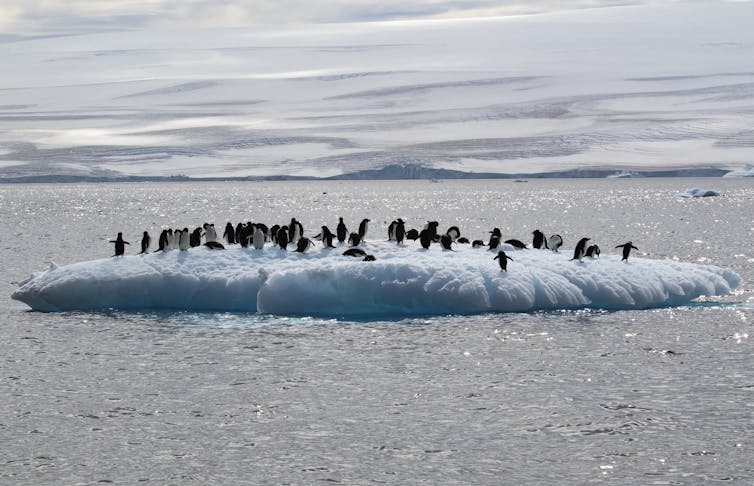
[229, 234]
[494, 242]
[453, 232]
[539, 240]
[425, 238]
[556, 241]
[341, 231]
[239, 234]
[626, 250]
[295, 231]
[162, 241]
[145, 241]
[503, 260]
[400, 232]
[327, 237]
[120, 245]
[283, 237]
[257, 239]
[354, 239]
[184, 240]
[391, 230]
[446, 241]
[209, 232]
[580, 250]
[363, 229]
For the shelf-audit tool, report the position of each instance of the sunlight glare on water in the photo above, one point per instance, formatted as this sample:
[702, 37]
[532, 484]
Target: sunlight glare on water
[633, 397]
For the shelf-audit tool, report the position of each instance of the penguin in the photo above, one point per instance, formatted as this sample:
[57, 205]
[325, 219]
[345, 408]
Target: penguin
[120, 245]
[432, 228]
[626, 250]
[257, 239]
[265, 230]
[516, 244]
[503, 260]
[303, 244]
[214, 245]
[242, 235]
[173, 237]
[580, 250]
[446, 241]
[354, 252]
[369, 258]
[209, 232]
[496, 232]
[162, 241]
[391, 230]
[341, 231]
[184, 240]
[195, 238]
[593, 251]
[412, 234]
[274, 233]
[463, 240]
[539, 240]
[477, 244]
[327, 237]
[229, 234]
[425, 238]
[283, 238]
[364, 228]
[295, 231]
[400, 232]
[354, 239]
[556, 241]
[494, 242]
[454, 233]
[145, 241]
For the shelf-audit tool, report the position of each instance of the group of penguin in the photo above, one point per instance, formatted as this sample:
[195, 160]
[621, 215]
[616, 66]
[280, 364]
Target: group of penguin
[257, 234]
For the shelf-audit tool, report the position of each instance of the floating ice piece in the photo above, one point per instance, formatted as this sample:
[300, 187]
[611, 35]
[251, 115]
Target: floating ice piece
[402, 281]
[696, 192]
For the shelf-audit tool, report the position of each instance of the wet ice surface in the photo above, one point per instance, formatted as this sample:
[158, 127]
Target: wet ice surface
[659, 396]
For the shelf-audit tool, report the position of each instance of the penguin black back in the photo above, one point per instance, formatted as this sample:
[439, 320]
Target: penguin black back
[120, 245]
[539, 240]
[354, 252]
[516, 244]
[341, 231]
[626, 249]
[145, 241]
[503, 260]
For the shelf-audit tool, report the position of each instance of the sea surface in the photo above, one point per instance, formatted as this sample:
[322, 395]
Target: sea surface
[663, 396]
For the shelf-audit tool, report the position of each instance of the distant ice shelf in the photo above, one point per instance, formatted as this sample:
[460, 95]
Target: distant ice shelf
[403, 281]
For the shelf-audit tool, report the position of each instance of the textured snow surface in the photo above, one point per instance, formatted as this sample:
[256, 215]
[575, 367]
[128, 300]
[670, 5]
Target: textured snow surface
[402, 281]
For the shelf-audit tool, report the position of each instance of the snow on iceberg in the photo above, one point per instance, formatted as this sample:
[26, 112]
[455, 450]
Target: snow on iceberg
[403, 281]
[697, 192]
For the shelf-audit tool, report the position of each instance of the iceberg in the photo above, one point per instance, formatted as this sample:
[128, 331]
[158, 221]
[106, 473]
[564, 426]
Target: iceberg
[697, 192]
[746, 171]
[402, 281]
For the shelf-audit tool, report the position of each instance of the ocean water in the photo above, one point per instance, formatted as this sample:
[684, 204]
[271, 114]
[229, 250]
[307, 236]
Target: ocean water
[662, 396]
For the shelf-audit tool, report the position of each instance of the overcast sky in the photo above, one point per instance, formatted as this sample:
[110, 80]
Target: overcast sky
[46, 16]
